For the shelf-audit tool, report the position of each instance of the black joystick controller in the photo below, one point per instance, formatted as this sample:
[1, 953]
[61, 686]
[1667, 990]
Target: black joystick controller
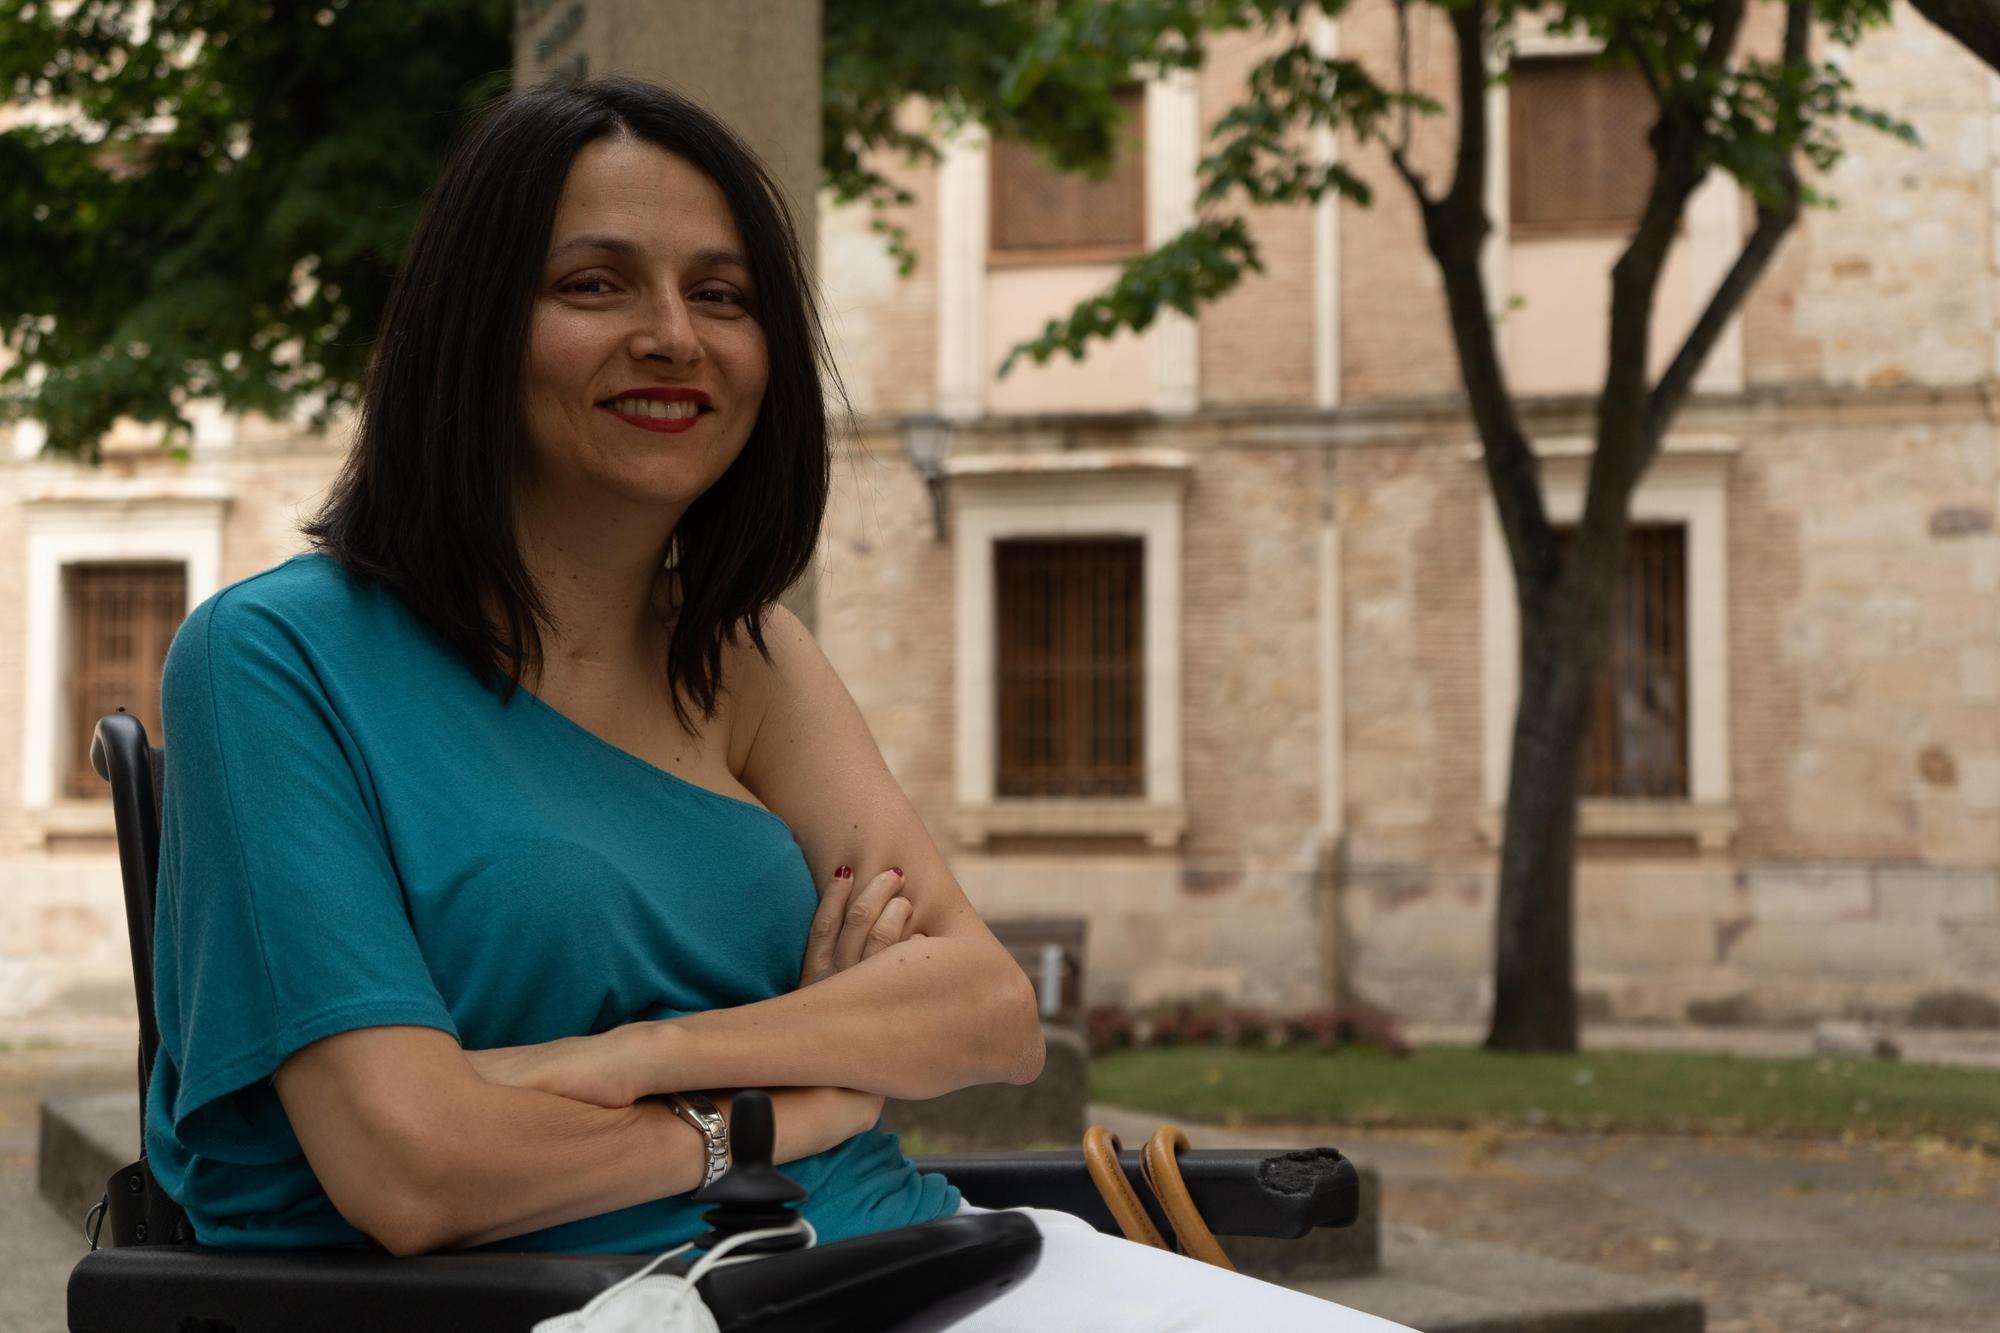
[753, 1195]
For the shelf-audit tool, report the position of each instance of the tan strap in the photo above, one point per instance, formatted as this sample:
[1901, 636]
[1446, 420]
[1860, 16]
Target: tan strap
[1162, 1169]
[1100, 1158]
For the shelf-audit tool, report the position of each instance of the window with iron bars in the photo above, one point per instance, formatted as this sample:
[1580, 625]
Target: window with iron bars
[121, 619]
[1071, 667]
[1637, 744]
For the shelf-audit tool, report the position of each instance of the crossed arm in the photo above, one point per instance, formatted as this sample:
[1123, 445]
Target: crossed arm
[904, 992]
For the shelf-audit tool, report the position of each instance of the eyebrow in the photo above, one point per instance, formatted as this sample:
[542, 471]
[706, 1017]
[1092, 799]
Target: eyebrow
[619, 245]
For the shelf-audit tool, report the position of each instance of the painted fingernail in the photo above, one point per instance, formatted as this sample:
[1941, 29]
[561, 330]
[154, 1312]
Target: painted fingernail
[843, 873]
[897, 871]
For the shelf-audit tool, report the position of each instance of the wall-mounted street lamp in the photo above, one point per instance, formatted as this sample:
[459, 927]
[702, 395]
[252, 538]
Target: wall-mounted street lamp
[926, 442]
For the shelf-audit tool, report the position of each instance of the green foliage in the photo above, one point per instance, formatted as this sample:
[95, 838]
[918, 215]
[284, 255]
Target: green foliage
[1198, 265]
[222, 214]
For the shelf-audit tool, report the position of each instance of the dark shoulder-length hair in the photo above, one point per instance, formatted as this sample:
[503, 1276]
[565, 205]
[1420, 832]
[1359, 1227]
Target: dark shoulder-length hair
[424, 505]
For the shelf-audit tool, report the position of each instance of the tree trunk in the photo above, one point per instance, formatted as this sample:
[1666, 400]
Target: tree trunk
[1565, 599]
[1534, 955]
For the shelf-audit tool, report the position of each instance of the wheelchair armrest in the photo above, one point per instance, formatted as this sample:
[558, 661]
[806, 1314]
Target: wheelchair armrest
[914, 1279]
[1240, 1191]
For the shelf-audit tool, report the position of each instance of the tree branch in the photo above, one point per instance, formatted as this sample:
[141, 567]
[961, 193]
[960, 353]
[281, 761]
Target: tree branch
[1976, 23]
[1403, 132]
[1412, 178]
[1455, 229]
[1722, 37]
[1773, 222]
[1630, 39]
[1468, 181]
[1399, 148]
[1677, 380]
[1623, 445]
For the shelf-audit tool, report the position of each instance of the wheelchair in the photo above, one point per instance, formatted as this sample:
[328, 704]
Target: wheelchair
[146, 1274]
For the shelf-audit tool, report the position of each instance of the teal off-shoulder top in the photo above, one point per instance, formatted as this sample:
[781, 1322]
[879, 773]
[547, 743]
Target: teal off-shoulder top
[358, 832]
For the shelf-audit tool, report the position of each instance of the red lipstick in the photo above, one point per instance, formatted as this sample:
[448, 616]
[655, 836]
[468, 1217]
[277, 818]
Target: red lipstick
[664, 425]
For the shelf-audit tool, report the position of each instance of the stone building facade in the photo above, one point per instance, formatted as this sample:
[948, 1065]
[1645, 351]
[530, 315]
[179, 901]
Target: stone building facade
[1328, 635]
[1343, 609]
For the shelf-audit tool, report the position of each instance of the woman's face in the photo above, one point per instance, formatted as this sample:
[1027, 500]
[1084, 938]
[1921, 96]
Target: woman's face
[645, 364]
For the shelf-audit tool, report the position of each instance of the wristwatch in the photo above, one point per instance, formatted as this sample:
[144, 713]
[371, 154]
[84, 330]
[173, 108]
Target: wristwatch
[700, 1112]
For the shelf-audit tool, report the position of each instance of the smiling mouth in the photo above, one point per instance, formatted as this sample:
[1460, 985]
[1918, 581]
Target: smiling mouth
[656, 415]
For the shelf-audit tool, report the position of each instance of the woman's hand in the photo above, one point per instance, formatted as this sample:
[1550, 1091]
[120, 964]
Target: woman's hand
[852, 924]
[585, 1069]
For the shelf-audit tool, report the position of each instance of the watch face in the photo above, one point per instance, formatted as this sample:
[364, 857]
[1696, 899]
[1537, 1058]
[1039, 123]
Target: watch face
[704, 1118]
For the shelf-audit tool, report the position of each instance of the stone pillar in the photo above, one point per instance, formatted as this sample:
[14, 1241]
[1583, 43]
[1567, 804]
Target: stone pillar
[754, 63]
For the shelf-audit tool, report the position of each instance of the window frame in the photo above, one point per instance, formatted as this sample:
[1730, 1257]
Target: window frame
[97, 520]
[1135, 492]
[78, 780]
[1604, 692]
[966, 351]
[1713, 223]
[1062, 559]
[1687, 485]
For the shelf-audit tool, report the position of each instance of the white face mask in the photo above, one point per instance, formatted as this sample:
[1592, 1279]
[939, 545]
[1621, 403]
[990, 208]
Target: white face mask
[649, 1302]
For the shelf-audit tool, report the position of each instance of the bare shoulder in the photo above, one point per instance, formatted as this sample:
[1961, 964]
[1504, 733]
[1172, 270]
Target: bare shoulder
[754, 682]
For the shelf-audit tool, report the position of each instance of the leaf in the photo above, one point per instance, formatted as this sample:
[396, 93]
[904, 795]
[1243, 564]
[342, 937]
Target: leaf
[1193, 267]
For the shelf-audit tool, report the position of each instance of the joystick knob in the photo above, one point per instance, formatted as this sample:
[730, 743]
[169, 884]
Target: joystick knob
[753, 1195]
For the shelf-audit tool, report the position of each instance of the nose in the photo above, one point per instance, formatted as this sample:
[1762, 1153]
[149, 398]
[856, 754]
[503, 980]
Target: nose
[668, 333]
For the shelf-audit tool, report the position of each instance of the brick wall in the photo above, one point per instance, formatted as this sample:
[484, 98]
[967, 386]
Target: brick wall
[1257, 342]
[883, 327]
[1395, 340]
[885, 617]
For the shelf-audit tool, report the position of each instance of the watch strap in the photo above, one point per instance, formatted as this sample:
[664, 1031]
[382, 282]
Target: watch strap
[701, 1113]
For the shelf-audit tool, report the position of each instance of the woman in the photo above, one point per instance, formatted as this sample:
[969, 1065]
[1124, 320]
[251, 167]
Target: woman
[458, 887]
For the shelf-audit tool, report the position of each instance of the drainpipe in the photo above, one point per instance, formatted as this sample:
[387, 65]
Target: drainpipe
[1332, 787]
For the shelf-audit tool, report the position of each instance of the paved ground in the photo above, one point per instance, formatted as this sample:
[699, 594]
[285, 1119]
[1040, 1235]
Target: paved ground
[1775, 1236]
[38, 1248]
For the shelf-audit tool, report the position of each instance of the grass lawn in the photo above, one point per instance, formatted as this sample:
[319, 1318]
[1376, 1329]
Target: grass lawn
[1462, 1086]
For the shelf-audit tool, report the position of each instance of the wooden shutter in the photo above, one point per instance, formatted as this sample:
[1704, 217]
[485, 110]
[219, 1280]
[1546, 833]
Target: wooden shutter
[1071, 667]
[1637, 746]
[1577, 152]
[121, 619]
[1040, 215]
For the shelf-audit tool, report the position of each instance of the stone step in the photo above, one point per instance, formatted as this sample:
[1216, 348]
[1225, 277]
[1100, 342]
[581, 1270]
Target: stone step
[84, 1138]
